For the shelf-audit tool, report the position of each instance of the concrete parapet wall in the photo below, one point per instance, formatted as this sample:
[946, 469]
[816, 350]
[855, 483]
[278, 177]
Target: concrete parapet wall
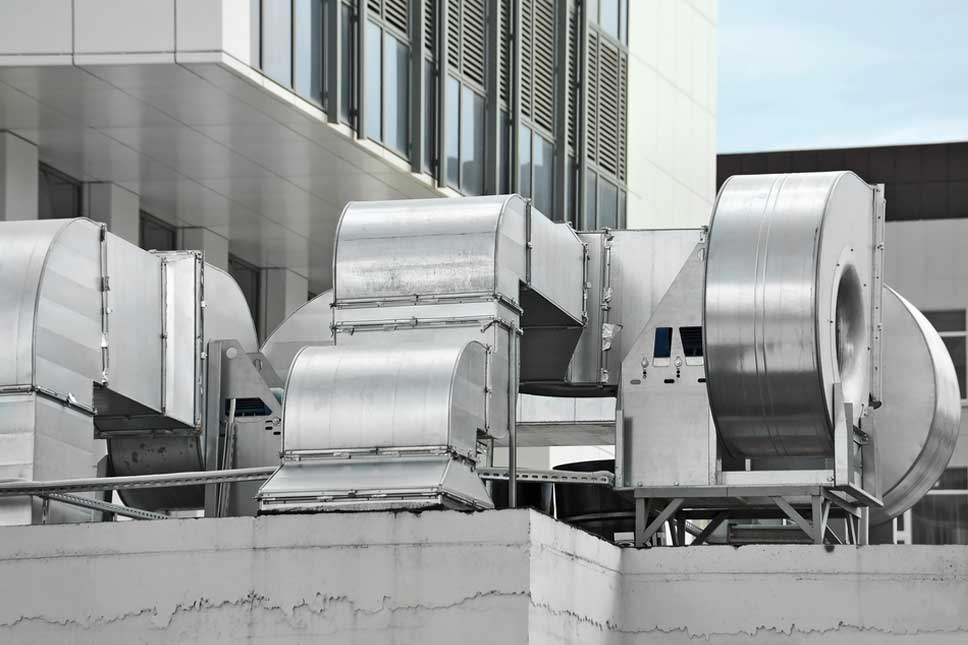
[446, 577]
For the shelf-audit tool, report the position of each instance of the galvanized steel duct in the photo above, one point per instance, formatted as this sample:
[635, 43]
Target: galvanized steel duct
[787, 309]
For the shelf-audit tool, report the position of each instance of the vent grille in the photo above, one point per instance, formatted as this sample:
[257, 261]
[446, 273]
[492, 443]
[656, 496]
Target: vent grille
[465, 39]
[592, 92]
[544, 63]
[430, 28]
[527, 57]
[472, 41]
[622, 116]
[392, 13]
[608, 140]
[505, 53]
[572, 91]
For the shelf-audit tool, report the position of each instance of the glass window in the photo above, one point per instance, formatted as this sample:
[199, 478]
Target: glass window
[277, 41]
[156, 235]
[591, 189]
[524, 154]
[608, 18]
[373, 81]
[453, 133]
[950, 324]
[592, 8]
[607, 205]
[940, 519]
[544, 177]
[622, 215]
[430, 121]
[947, 320]
[623, 9]
[396, 89]
[472, 143]
[346, 62]
[956, 347]
[504, 154]
[58, 196]
[308, 64]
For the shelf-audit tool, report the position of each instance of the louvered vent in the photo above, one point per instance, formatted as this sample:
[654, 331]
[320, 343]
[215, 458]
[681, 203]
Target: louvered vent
[572, 90]
[591, 118]
[453, 34]
[623, 116]
[544, 63]
[527, 57]
[393, 13]
[430, 27]
[505, 53]
[608, 107]
[472, 41]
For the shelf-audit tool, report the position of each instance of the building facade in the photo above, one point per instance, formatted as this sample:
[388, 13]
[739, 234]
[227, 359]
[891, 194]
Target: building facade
[926, 187]
[243, 127]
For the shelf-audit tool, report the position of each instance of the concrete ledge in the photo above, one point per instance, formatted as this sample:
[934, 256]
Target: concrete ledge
[492, 577]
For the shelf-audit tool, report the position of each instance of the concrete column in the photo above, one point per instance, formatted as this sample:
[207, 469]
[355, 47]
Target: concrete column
[116, 206]
[215, 247]
[282, 292]
[19, 176]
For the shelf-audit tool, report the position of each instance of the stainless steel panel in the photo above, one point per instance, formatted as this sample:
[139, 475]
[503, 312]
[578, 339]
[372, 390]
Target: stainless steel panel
[425, 247]
[227, 315]
[442, 324]
[667, 438]
[374, 483]
[916, 428]
[787, 309]
[134, 340]
[412, 394]
[184, 329]
[23, 251]
[309, 325]
[558, 266]
[626, 281]
[67, 327]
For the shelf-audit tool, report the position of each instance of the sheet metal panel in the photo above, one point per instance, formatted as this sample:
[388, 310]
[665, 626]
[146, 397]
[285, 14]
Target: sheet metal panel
[134, 323]
[558, 265]
[227, 314]
[183, 329]
[308, 325]
[423, 247]
[406, 395]
[782, 250]
[67, 327]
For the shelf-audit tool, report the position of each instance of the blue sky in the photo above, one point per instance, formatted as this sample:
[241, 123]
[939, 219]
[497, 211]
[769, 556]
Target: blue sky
[825, 74]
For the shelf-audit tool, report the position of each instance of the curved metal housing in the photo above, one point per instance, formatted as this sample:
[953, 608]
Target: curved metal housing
[50, 319]
[450, 259]
[787, 309]
[375, 427]
[917, 427]
[309, 325]
[408, 396]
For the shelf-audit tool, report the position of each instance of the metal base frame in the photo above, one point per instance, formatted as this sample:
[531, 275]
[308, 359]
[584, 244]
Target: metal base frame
[809, 507]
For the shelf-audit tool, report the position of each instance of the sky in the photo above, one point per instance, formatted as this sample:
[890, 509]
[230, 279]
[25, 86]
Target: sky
[797, 74]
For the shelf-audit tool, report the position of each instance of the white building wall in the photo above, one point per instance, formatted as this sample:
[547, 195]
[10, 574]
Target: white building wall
[926, 262]
[671, 113]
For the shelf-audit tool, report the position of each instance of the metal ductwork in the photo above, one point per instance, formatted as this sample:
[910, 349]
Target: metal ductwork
[414, 280]
[788, 309]
[106, 370]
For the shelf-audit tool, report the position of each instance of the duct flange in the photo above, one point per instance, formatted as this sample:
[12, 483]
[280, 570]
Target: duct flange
[787, 309]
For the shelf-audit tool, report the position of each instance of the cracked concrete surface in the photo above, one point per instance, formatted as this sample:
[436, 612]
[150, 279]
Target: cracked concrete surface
[435, 577]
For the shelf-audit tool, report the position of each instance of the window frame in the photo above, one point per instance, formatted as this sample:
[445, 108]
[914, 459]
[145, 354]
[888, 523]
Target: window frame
[955, 333]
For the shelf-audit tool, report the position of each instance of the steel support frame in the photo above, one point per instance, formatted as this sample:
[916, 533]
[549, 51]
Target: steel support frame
[719, 504]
